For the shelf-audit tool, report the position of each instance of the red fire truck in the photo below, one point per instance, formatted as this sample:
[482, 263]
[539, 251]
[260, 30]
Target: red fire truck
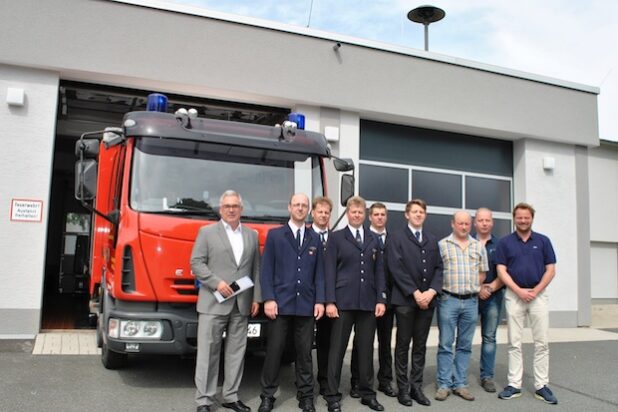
[151, 184]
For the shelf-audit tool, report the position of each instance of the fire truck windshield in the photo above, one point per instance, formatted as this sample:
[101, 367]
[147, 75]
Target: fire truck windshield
[187, 177]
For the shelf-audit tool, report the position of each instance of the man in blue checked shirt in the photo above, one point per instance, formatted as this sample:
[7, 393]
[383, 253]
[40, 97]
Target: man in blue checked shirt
[465, 265]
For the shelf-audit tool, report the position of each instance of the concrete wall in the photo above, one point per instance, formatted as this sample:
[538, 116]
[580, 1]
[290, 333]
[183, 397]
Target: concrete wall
[27, 136]
[127, 45]
[603, 181]
[554, 196]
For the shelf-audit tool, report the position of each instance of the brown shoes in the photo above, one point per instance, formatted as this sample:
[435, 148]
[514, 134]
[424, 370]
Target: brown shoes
[464, 393]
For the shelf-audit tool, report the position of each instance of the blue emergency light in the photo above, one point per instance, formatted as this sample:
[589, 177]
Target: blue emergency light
[157, 102]
[297, 118]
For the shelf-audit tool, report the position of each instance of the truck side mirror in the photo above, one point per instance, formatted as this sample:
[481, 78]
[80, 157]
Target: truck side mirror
[85, 179]
[347, 188]
[88, 147]
[343, 165]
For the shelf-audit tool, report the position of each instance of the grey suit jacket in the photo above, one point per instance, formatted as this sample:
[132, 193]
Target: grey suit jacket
[212, 260]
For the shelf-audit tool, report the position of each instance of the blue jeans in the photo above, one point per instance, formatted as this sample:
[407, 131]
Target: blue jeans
[455, 316]
[490, 311]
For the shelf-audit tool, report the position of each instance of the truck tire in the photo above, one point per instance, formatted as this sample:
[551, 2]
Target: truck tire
[109, 359]
[112, 360]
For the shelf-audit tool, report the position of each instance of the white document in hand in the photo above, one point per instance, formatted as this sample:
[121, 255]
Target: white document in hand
[238, 286]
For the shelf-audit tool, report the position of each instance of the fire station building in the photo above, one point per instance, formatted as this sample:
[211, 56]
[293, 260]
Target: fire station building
[457, 133]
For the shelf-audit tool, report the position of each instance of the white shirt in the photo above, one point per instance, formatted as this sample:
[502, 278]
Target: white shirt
[360, 229]
[235, 237]
[295, 228]
[380, 234]
[318, 231]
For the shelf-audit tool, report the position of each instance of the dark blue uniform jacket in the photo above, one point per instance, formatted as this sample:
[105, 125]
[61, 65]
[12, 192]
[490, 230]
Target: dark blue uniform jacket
[354, 273]
[293, 276]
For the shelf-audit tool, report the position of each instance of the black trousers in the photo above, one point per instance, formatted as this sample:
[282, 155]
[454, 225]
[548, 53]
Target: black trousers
[384, 330]
[324, 327]
[364, 324]
[412, 324]
[302, 327]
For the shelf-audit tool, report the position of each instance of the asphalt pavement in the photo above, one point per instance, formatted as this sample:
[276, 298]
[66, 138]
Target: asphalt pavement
[584, 377]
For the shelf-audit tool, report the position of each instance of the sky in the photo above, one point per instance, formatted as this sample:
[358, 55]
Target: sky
[572, 40]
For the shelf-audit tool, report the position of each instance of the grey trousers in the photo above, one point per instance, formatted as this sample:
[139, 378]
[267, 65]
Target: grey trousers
[209, 341]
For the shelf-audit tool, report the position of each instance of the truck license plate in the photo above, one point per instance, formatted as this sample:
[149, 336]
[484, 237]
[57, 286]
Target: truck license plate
[253, 330]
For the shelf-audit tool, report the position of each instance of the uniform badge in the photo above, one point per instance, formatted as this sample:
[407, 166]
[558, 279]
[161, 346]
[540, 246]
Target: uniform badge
[312, 250]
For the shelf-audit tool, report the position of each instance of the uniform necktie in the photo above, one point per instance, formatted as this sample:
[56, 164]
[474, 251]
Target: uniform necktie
[418, 235]
[298, 240]
[359, 240]
[322, 238]
[381, 240]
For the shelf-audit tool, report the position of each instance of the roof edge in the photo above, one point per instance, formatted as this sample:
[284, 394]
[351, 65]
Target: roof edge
[372, 44]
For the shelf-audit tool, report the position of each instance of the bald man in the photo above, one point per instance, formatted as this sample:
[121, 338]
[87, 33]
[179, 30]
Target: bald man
[465, 265]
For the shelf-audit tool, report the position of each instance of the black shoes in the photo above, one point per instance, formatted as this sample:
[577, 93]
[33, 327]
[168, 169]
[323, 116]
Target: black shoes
[373, 404]
[387, 390]
[266, 405]
[354, 392]
[203, 408]
[306, 405]
[404, 398]
[334, 407]
[237, 406]
[417, 394]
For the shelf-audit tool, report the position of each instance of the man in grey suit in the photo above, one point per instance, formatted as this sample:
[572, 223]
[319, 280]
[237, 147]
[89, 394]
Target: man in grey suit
[223, 253]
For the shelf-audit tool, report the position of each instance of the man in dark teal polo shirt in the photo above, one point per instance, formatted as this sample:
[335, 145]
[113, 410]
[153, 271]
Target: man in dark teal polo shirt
[526, 265]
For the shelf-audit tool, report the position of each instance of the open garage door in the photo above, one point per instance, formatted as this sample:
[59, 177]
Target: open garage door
[85, 108]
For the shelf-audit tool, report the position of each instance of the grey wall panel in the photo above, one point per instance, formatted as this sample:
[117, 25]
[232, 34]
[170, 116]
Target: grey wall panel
[135, 46]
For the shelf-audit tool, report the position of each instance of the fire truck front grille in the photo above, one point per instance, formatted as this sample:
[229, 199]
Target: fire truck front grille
[185, 287]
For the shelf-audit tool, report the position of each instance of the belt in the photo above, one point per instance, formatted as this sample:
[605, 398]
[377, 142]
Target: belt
[463, 297]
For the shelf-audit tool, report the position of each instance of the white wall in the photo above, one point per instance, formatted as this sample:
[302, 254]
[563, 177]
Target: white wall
[553, 195]
[603, 186]
[604, 270]
[27, 138]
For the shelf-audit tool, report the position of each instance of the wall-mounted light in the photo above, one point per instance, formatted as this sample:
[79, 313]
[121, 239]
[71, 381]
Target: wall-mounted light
[337, 46]
[331, 133]
[549, 163]
[15, 96]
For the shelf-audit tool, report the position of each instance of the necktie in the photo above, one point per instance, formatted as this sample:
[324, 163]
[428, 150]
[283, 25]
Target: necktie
[322, 238]
[418, 235]
[359, 240]
[298, 240]
[381, 240]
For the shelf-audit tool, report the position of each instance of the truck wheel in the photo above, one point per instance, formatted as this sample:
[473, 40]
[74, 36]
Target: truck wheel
[111, 359]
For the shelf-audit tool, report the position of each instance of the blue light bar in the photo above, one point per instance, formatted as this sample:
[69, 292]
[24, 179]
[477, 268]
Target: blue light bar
[157, 102]
[297, 118]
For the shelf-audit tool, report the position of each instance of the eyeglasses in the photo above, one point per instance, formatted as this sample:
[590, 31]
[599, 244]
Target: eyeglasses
[230, 207]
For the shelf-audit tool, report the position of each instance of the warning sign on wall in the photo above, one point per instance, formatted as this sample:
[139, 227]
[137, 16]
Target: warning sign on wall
[26, 210]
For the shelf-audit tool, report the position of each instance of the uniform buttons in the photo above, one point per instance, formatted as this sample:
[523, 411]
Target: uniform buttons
[362, 262]
[361, 255]
[298, 281]
[299, 258]
[362, 271]
[424, 260]
[424, 270]
[423, 280]
[362, 279]
[299, 269]
[297, 293]
[423, 251]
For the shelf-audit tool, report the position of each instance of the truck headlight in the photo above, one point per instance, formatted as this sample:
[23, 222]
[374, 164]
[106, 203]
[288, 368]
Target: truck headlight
[141, 329]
